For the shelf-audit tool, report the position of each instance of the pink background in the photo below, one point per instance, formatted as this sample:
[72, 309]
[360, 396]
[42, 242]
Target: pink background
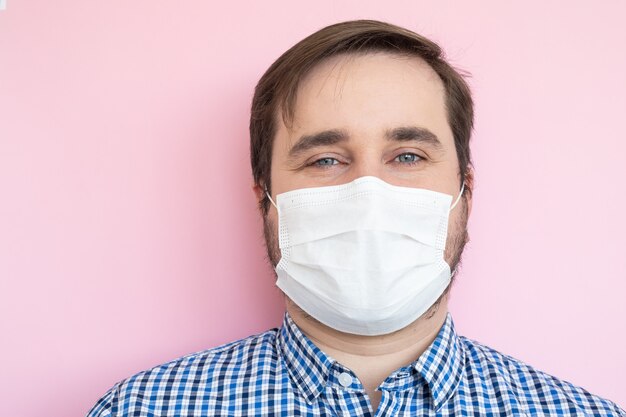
[128, 230]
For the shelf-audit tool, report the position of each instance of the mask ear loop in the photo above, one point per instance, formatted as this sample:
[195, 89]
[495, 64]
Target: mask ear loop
[459, 197]
[454, 205]
[270, 197]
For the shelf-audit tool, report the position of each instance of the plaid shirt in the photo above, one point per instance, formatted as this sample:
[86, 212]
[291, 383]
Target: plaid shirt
[282, 373]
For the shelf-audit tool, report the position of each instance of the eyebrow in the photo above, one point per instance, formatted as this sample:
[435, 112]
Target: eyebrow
[334, 136]
[324, 138]
[415, 134]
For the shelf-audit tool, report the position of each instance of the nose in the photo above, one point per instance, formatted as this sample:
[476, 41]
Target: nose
[366, 163]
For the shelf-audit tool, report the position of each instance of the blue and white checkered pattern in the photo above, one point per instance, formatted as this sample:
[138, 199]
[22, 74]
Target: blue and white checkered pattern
[282, 373]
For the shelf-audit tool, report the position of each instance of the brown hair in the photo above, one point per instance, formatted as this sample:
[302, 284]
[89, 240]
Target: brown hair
[276, 90]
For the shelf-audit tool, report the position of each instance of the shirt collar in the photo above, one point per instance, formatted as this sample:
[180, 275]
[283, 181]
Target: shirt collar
[440, 366]
[307, 365]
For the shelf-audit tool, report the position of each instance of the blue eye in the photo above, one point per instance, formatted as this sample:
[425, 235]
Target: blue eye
[408, 158]
[324, 162]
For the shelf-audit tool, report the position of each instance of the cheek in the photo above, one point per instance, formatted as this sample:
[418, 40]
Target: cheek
[457, 222]
[453, 218]
[271, 219]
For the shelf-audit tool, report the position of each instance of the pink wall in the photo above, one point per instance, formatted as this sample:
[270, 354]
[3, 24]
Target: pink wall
[128, 230]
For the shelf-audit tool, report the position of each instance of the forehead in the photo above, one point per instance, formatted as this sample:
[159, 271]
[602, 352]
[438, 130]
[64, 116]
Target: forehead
[370, 91]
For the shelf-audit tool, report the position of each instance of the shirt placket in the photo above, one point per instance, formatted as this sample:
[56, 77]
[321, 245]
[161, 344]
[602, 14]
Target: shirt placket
[395, 390]
[345, 394]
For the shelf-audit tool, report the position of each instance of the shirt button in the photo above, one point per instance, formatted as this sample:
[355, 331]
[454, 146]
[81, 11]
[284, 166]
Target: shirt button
[345, 379]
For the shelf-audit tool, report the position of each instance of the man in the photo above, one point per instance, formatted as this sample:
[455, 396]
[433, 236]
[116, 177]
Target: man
[361, 161]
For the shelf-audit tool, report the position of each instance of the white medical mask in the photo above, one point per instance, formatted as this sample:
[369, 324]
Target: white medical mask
[365, 257]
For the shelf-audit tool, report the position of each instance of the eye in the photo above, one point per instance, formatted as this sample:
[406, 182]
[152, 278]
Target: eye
[408, 158]
[325, 162]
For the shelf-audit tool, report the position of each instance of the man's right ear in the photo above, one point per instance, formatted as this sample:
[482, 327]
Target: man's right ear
[259, 192]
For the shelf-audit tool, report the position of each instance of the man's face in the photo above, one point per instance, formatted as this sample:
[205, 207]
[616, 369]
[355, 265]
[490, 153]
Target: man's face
[379, 115]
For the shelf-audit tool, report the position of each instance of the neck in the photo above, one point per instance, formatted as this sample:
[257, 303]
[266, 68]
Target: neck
[373, 358]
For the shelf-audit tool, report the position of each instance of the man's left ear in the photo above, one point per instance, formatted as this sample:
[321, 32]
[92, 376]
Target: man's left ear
[469, 188]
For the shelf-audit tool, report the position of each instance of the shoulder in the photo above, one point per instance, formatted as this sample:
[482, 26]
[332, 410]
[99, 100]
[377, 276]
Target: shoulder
[528, 389]
[194, 376]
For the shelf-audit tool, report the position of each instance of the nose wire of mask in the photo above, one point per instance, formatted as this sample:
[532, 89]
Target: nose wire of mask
[451, 207]
[458, 198]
